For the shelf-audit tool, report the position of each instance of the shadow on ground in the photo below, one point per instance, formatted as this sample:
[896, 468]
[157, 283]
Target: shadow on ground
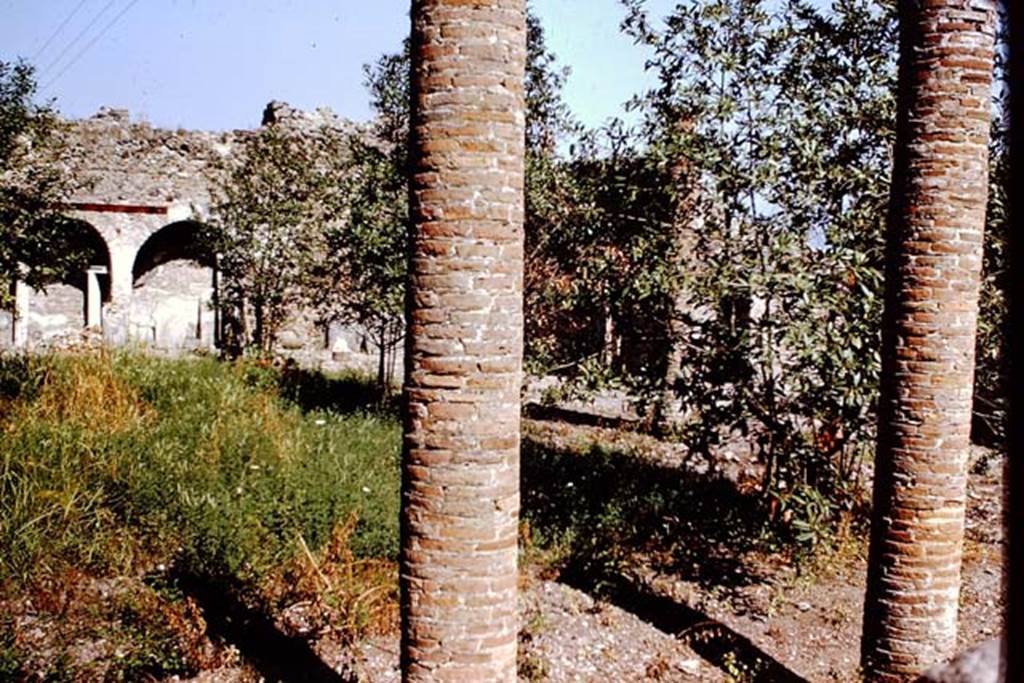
[711, 639]
[313, 390]
[601, 513]
[277, 656]
[540, 411]
[601, 508]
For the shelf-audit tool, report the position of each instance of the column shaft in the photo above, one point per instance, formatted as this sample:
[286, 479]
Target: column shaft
[464, 344]
[936, 224]
[93, 298]
[22, 309]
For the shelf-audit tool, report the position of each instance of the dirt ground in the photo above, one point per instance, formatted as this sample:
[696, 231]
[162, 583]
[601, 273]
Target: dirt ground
[713, 617]
[784, 625]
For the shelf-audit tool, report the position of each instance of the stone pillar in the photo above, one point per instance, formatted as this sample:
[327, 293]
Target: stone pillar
[122, 259]
[22, 309]
[93, 296]
[936, 223]
[460, 481]
[118, 314]
[218, 318]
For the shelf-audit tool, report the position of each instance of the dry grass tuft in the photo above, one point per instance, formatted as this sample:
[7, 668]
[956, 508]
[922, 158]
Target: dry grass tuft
[335, 589]
[89, 393]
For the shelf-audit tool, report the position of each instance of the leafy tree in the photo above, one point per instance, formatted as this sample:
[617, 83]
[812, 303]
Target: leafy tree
[598, 262]
[365, 260]
[595, 241]
[38, 244]
[271, 204]
[785, 114]
[789, 119]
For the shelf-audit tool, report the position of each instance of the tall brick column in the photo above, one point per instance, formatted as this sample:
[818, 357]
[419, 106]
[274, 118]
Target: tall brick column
[460, 483]
[936, 223]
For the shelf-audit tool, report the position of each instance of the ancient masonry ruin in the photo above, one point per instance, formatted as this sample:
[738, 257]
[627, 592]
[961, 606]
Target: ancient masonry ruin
[149, 282]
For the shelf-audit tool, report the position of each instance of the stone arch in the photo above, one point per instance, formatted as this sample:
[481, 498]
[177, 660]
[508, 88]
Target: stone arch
[79, 286]
[173, 289]
[178, 241]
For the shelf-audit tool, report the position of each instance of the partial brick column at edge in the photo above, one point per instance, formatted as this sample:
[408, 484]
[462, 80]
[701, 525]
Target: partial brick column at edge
[935, 244]
[460, 485]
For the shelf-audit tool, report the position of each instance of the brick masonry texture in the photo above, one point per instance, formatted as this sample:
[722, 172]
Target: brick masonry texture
[460, 486]
[937, 214]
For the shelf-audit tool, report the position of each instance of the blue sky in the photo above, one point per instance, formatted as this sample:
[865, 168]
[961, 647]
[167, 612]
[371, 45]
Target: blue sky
[214, 64]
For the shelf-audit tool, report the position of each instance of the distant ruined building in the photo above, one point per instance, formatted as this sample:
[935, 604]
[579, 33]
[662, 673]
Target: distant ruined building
[149, 281]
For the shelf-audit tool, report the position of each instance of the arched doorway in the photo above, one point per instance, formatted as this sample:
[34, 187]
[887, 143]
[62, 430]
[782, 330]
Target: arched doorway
[173, 290]
[75, 289]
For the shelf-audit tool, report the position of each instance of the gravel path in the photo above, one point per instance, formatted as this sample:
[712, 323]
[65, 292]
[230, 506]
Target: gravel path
[568, 636]
[807, 623]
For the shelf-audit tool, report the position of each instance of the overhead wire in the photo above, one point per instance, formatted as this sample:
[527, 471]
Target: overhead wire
[81, 34]
[103, 31]
[61, 27]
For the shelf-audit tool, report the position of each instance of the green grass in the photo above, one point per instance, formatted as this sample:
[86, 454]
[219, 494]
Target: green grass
[106, 458]
[241, 474]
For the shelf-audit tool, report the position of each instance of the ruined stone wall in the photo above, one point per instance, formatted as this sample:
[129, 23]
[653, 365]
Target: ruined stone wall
[142, 187]
[56, 310]
[137, 164]
[172, 307]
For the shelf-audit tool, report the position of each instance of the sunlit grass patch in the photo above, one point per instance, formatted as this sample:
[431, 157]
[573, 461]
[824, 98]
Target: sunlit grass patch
[114, 464]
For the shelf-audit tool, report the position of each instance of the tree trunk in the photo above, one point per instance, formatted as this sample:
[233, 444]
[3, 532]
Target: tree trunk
[238, 324]
[686, 223]
[608, 336]
[382, 368]
[460, 461]
[258, 330]
[667, 413]
[934, 242]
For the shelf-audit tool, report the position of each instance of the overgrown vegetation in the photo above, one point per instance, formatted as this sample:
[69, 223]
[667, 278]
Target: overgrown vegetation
[38, 243]
[723, 257]
[272, 204]
[595, 513]
[364, 269]
[722, 261]
[789, 115]
[119, 465]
